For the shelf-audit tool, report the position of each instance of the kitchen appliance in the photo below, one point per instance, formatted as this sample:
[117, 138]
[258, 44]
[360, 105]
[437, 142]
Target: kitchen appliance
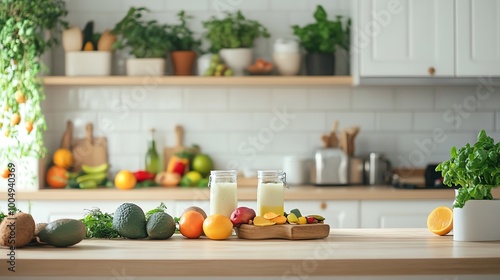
[330, 167]
[377, 169]
[356, 171]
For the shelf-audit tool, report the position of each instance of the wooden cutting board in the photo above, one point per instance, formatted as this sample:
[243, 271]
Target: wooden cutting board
[90, 150]
[291, 232]
[170, 151]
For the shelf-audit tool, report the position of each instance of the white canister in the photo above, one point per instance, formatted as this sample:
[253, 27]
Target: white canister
[294, 167]
[286, 56]
[203, 63]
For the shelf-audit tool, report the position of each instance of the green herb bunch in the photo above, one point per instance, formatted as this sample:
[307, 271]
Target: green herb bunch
[147, 39]
[182, 37]
[324, 35]
[476, 169]
[24, 25]
[233, 31]
[99, 224]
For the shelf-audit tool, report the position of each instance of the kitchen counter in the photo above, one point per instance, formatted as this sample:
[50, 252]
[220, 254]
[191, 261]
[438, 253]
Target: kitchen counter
[344, 252]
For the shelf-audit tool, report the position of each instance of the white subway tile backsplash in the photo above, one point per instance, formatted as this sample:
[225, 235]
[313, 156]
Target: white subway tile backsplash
[332, 7]
[277, 21]
[79, 118]
[292, 98]
[119, 162]
[162, 99]
[307, 121]
[229, 121]
[366, 121]
[191, 121]
[476, 121]
[250, 143]
[123, 121]
[189, 5]
[329, 98]
[374, 142]
[434, 120]
[373, 98]
[414, 98]
[450, 97]
[394, 121]
[153, 5]
[206, 98]
[498, 121]
[130, 144]
[288, 5]
[75, 6]
[210, 143]
[291, 143]
[249, 99]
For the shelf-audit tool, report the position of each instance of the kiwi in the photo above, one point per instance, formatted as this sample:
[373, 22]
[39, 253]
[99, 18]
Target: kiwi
[17, 230]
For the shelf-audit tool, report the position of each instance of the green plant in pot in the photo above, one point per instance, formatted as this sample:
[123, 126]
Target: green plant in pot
[24, 25]
[475, 169]
[233, 37]
[321, 39]
[148, 42]
[184, 46]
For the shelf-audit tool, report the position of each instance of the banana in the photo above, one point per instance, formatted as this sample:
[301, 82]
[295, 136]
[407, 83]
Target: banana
[89, 184]
[98, 177]
[95, 169]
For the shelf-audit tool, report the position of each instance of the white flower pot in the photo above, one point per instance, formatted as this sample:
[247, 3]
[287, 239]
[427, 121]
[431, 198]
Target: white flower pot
[88, 63]
[478, 220]
[237, 59]
[145, 67]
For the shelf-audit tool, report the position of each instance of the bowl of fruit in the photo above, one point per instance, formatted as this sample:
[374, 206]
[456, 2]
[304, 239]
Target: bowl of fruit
[259, 68]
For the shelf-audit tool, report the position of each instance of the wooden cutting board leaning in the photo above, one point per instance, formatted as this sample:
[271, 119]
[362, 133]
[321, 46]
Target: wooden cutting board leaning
[168, 152]
[91, 151]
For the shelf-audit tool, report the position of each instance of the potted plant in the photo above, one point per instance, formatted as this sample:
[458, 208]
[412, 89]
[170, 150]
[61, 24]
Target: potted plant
[476, 170]
[233, 37]
[320, 40]
[183, 46]
[23, 28]
[148, 42]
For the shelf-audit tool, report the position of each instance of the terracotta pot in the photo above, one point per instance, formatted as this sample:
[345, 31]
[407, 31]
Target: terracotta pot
[183, 62]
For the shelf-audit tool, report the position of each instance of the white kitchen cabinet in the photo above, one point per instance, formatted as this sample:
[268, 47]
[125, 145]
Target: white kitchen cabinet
[405, 38]
[398, 213]
[478, 38]
[338, 213]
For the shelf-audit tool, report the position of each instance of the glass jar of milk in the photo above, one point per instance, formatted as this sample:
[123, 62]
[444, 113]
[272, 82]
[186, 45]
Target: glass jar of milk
[270, 191]
[223, 192]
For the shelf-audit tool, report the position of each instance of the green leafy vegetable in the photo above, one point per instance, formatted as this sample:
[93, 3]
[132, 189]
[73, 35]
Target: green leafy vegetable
[99, 224]
[161, 208]
[476, 169]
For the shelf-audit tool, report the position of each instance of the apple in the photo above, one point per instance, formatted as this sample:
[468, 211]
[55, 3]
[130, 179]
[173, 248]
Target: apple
[242, 215]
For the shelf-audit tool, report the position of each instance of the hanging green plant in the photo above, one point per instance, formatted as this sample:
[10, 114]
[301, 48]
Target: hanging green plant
[24, 25]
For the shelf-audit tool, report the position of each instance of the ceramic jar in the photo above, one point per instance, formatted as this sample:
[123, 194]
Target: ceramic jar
[286, 56]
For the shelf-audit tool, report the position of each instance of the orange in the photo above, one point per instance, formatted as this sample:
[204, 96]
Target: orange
[15, 119]
[57, 177]
[29, 127]
[5, 173]
[440, 220]
[20, 98]
[217, 227]
[125, 180]
[191, 224]
[63, 158]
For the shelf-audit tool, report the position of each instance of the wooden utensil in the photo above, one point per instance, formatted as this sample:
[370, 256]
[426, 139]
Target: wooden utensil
[291, 232]
[90, 151]
[67, 136]
[170, 151]
[331, 140]
[351, 135]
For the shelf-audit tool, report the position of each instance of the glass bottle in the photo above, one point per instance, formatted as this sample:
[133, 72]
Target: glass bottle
[223, 192]
[152, 157]
[270, 191]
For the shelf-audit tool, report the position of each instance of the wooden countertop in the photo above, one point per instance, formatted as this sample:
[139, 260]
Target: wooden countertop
[344, 252]
[244, 193]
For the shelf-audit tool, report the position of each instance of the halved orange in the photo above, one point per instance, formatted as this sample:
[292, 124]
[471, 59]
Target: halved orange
[440, 220]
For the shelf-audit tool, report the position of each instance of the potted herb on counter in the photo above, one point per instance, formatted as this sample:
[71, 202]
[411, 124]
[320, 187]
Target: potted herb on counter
[233, 37]
[476, 170]
[320, 40]
[184, 46]
[148, 42]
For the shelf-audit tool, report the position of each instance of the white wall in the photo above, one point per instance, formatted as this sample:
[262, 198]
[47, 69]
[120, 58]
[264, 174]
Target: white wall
[398, 121]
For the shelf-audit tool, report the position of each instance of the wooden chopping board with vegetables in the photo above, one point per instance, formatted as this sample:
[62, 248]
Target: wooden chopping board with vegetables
[90, 151]
[287, 231]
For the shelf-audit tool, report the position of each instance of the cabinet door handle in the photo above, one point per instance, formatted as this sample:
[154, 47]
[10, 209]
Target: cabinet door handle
[432, 71]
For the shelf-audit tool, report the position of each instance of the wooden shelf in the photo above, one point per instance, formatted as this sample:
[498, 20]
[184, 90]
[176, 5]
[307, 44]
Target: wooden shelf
[200, 81]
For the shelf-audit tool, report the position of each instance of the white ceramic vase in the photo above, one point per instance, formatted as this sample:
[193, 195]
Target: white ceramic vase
[145, 67]
[478, 220]
[237, 59]
[80, 63]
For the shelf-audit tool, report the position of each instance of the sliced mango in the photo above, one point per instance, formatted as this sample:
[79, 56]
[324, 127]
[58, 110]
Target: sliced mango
[280, 220]
[262, 222]
[270, 215]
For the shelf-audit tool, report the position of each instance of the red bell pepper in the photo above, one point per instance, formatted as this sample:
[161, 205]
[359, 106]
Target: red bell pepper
[142, 175]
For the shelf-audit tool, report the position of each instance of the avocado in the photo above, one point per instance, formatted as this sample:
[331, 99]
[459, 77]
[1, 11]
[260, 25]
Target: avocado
[62, 232]
[129, 221]
[160, 226]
